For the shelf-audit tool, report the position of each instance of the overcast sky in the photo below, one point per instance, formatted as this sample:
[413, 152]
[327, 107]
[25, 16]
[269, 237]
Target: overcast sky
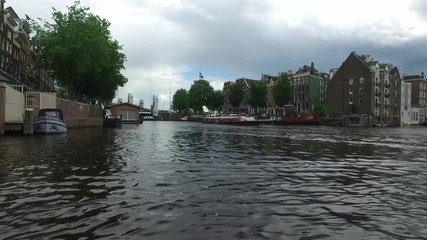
[167, 42]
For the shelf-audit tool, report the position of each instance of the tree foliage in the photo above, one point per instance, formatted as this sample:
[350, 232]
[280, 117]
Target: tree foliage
[322, 110]
[236, 95]
[199, 95]
[216, 101]
[282, 91]
[78, 49]
[258, 94]
[180, 100]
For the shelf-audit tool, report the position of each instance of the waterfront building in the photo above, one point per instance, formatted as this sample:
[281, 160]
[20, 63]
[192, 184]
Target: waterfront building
[363, 85]
[308, 88]
[128, 112]
[17, 64]
[405, 104]
[418, 96]
[273, 109]
[244, 106]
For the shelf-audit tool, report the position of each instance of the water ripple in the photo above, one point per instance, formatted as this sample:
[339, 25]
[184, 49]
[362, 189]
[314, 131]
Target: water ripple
[166, 180]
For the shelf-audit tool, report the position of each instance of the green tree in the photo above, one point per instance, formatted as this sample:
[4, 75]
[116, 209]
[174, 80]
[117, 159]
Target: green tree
[180, 100]
[216, 101]
[200, 93]
[322, 110]
[282, 91]
[258, 96]
[78, 49]
[236, 95]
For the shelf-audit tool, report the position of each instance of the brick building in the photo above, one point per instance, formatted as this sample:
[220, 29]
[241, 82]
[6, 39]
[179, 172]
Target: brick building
[418, 96]
[16, 55]
[363, 85]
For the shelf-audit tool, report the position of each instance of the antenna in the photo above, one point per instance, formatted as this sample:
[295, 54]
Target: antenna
[170, 98]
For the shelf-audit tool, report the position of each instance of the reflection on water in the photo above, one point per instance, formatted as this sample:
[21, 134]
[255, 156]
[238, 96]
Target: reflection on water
[174, 180]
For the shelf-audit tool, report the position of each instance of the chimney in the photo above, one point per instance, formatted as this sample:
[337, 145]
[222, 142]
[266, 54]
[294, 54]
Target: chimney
[312, 69]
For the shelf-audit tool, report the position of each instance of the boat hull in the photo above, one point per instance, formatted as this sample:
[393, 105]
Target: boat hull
[112, 122]
[49, 125]
[301, 119]
[240, 121]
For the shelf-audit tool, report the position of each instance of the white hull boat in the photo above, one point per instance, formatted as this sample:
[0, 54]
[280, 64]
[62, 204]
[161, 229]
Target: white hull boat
[49, 121]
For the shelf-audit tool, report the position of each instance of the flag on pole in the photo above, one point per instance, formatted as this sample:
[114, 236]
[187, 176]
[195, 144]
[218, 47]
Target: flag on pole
[200, 75]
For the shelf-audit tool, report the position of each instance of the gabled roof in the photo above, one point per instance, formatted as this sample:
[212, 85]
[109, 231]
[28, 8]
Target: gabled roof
[11, 12]
[305, 69]
[365, 59]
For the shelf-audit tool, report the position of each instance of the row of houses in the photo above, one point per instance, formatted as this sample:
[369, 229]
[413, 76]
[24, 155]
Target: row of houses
[308, 90]
[361, 89]
[17, 58]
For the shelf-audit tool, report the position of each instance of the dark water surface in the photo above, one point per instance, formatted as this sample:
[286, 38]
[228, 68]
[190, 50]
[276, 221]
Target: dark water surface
[176, 180]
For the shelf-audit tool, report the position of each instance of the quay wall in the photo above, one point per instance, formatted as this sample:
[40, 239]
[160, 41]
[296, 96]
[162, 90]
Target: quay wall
[80, 114]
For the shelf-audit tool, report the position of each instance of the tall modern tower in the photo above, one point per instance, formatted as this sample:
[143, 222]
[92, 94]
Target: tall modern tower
[155, 107]
[130, 98]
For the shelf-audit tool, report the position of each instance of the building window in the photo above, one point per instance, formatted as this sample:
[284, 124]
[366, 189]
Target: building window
[360, 90]
[350, 91]
[362, 80]
[350, 101]
[350, 81]
[360, 100]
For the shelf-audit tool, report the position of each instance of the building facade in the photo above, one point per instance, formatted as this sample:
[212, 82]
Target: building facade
[272, 109]
[362, 85]
[17, 59]
[244, 106]
[405, 104]
[418, 96]
[308, 89]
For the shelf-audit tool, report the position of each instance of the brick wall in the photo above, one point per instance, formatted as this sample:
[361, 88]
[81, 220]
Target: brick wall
[80, 114]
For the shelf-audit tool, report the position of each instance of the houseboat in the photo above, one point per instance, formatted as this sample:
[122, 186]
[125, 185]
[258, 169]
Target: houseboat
[300, 119]
[112, 121]
[232, 119]
[49, 121]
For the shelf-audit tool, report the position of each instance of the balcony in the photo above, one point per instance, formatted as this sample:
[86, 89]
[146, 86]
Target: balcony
[377, 94]
[377, 104]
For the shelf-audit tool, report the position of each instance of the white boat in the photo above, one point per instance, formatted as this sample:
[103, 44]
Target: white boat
[49, 120]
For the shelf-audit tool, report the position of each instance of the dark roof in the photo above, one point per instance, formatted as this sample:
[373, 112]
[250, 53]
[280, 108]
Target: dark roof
[363, 59]
[12, 12]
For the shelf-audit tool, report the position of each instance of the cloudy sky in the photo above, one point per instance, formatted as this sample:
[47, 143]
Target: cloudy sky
[167, 42]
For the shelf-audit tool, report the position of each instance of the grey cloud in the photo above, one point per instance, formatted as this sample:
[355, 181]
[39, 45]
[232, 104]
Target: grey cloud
[420, 7]
[249, 48]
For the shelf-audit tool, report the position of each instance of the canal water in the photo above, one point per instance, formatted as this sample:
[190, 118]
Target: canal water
[178, 180]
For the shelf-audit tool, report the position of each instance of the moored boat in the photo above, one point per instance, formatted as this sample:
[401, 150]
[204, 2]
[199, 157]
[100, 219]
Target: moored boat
[112, 121]
[300, 119]
[49, 120]
[232, 119]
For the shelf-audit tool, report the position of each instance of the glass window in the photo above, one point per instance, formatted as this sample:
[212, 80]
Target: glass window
[350, 81]
[362, 80]
[360, 90]
[350, 91]
[360, 100]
